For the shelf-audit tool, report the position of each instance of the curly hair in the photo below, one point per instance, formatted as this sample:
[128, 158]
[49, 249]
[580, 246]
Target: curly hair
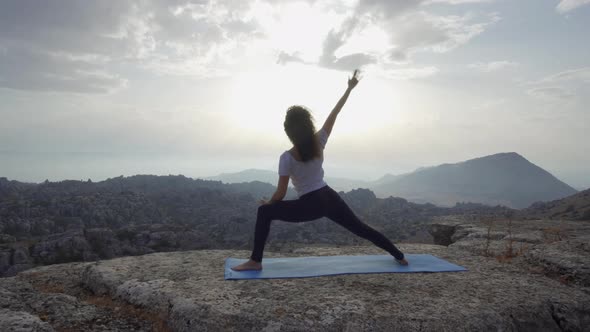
[301, 131]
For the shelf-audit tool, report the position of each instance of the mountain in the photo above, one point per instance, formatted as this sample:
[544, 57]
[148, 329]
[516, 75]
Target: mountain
[504, 178]
[575, 207]
[249, 175]
[385, 179]
[500, 179]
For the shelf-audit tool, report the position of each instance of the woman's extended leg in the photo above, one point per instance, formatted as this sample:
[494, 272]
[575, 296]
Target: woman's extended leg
[298, 210]
[306, 208]
[339, 212]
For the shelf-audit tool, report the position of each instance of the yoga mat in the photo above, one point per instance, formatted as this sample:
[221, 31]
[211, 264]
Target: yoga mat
[316, 266]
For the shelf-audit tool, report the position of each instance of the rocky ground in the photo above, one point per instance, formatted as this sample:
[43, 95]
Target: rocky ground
[53, 298]
[561, 249]
[540, 284]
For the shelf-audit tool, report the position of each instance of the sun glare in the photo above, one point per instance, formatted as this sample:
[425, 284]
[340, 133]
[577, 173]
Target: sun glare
[258, 100]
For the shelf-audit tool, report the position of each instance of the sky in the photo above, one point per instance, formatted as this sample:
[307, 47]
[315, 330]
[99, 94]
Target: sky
[98, 89]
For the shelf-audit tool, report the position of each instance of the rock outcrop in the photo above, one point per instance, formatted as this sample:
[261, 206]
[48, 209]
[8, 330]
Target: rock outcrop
[188, 290]
[52, 298]
[560, 249]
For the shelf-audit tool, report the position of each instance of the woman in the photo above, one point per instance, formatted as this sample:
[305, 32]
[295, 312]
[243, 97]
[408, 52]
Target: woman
[303, 164]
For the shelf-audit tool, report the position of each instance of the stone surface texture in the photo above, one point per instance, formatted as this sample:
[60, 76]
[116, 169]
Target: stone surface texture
[541, 284]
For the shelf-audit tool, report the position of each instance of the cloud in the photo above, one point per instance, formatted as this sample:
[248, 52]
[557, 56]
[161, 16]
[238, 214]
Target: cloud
[410, 73]
[24, 69]
[551, 94]
[44, 47]
[78, 46]
[569, 5]
[490, 104]
[334, 40]
[561, 86]
[457, 2]
[348, 62]
[488, 67]
[47, 48]
[409, 28]
[579, 74]
[421, 31]
[284, 58]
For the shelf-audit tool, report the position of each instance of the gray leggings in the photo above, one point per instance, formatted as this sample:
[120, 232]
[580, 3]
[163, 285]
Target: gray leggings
[323, 202]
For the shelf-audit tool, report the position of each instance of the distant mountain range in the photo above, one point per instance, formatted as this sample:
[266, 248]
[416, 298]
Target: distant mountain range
[500, 179]
[272, 177]
[504, 178]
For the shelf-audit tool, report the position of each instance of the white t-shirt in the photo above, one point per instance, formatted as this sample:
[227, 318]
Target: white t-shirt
[306, 176]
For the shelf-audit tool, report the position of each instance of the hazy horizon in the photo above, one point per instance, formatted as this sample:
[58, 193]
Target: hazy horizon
[198, 88]
[188, 169]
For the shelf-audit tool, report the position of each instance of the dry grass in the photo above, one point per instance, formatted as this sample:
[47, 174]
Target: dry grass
[566, 279]
[554, 234]
[550, 235]
[36, 280]
[509, 251]
[43, 316]
[489, 222]
[49, 288]
[509, 254]
[157, 320]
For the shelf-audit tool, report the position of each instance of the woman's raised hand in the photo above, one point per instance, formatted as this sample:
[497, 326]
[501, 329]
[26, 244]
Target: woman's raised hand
[353, 81]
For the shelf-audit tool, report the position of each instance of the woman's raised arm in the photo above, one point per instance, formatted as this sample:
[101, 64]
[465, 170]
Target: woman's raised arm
[352, 82]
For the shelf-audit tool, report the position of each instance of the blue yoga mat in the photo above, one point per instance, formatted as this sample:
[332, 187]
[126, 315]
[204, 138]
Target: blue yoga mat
[316, 266]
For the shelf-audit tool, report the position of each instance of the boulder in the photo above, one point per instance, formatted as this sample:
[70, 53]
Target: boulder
[104, 243]
[62, 247]
[568, 260]
[442, 233]
[20, 255]
[20, 321]
[36, 300]
[5, 238]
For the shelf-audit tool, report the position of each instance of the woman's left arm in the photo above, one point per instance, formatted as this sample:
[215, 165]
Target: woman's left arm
[280, 192]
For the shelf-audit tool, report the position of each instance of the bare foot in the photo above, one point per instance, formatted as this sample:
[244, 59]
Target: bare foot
[402, 261]
[249, 265]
